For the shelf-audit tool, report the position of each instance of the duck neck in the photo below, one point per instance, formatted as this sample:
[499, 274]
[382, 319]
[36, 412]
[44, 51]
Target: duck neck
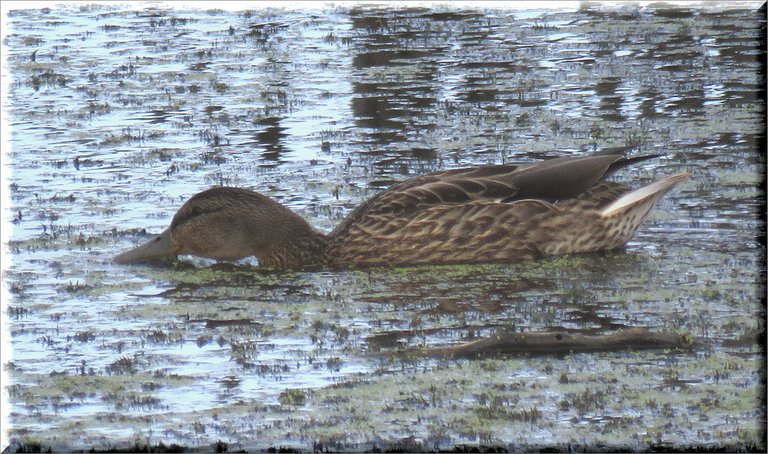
[298, 246]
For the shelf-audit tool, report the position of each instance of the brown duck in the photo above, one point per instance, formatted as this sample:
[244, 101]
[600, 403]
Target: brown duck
[497, 213]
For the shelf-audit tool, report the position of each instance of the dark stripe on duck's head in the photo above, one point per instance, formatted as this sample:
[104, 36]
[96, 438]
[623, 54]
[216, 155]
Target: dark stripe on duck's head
[187, 215]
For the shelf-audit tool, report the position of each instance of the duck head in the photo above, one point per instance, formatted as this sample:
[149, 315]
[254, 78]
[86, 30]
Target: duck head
[231, 224]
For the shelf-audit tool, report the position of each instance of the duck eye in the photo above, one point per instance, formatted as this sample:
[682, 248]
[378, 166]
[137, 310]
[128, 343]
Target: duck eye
[187, 215]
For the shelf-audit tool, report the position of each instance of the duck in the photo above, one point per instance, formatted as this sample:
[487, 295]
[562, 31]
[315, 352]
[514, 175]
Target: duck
[485, 214]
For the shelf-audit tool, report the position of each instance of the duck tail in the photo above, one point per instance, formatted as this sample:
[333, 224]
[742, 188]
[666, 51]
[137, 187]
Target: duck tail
[643, 199]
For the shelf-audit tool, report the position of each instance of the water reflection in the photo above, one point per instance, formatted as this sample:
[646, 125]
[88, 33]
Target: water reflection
[389, 110]
[610, 101]
[271, 138]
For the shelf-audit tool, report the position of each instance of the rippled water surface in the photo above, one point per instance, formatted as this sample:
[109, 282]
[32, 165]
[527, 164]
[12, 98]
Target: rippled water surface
[117, 114]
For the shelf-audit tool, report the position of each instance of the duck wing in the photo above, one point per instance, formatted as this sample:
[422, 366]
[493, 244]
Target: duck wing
[551, 180]
[472, 232]
[487, 231]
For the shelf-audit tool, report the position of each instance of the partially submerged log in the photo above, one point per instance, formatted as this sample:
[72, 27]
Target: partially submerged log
[543, 343]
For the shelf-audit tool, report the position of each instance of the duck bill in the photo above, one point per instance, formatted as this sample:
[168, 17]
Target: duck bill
[155, 249]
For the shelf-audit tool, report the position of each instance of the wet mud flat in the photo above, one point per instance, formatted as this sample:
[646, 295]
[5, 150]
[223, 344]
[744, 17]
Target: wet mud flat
[117, 115]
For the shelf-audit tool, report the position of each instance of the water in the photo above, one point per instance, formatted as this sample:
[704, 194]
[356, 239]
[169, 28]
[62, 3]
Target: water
[123, 113]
